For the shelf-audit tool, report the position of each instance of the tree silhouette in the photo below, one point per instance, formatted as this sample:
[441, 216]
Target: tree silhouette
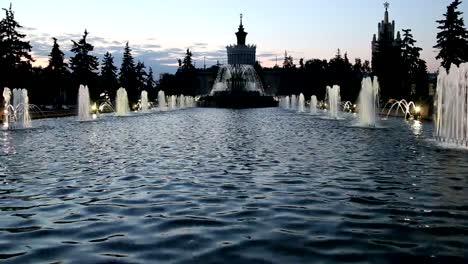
[316, 71]
[15, 57]
[366, 67]
[127, 76]
[109, 81]
[187, 62]
[150, 84]
[57, 76]
[140, 75]
[411, 64]
[186, 77]
[452, 40]
[84, 65]
[340, 73]
[288, 61]
[56, 58]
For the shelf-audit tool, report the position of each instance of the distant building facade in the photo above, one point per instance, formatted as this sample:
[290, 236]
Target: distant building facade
[241, 53]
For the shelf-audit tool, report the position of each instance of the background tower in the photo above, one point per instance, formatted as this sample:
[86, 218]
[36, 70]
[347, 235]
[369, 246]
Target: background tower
[241, 53]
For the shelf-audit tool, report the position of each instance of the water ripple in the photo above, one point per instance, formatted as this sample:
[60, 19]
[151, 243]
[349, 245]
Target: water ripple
[221, 186]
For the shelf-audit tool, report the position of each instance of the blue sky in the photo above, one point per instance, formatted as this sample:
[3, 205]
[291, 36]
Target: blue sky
[159, 31]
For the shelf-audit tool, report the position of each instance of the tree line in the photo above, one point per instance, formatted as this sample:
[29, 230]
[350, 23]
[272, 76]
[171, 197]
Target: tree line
[57, 83]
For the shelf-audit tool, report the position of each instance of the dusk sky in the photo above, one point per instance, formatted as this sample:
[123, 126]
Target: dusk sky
[160, 31]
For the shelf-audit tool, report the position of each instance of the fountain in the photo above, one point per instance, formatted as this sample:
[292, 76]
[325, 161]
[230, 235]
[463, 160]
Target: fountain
[347, 106]
[407, 108]
[293, 102]
[237, 86]
[237, 78]
[121, 102]
[285, 102]
[189, 101]
[368, 102]
[181, 101]
[333, 96]
[301, 104]
[288, 102]
[84, 105]
[173, 102]
[313, 104]
[451, 116]
[144, 101]
[162, 106]
[16, 115]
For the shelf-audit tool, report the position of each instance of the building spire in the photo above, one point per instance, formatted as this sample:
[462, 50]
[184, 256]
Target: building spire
[386, 5]
[241, 34]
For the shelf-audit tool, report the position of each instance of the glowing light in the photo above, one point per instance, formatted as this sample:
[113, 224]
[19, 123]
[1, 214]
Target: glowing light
[94, 116]
[94, 107]
[417, 109]
[5, 111]
[354, 105]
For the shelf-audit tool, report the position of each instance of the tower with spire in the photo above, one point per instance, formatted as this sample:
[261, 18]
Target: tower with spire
[241, 53]
[385, 34]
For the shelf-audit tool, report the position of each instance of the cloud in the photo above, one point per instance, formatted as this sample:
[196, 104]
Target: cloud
[160, 59]
[266, 55]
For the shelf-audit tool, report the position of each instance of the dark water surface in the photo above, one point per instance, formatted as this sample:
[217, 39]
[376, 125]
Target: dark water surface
[230, 186]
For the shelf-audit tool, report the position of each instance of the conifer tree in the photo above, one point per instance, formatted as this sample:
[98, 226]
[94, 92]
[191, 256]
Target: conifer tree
[412, 65]
[288, 61]
[109, 83]
[83, 64]
[452, 40]
[187, 62]
[150, 84]
[15, 57]
[186, 76]
[56, 59]
[140, 75]
[127, 75]
[57, 76]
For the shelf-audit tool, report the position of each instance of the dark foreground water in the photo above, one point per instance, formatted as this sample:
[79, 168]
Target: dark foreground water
[230, 186]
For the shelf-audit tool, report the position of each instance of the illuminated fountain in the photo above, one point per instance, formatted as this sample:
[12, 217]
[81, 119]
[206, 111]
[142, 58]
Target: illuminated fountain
[237, 78]
[189, 101]
[172, 102]
[16, 114]
[333, 99]
[84, 105]
[293, 102]
[347, 106]
[284, 102]
[144, 101]
[451, 116]
[368, 102]
[301, 104]
[162, 106]
[105, 106]
[407, 108]
[121, 103]
[237, 86]
[181, 101]
[313, 104]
